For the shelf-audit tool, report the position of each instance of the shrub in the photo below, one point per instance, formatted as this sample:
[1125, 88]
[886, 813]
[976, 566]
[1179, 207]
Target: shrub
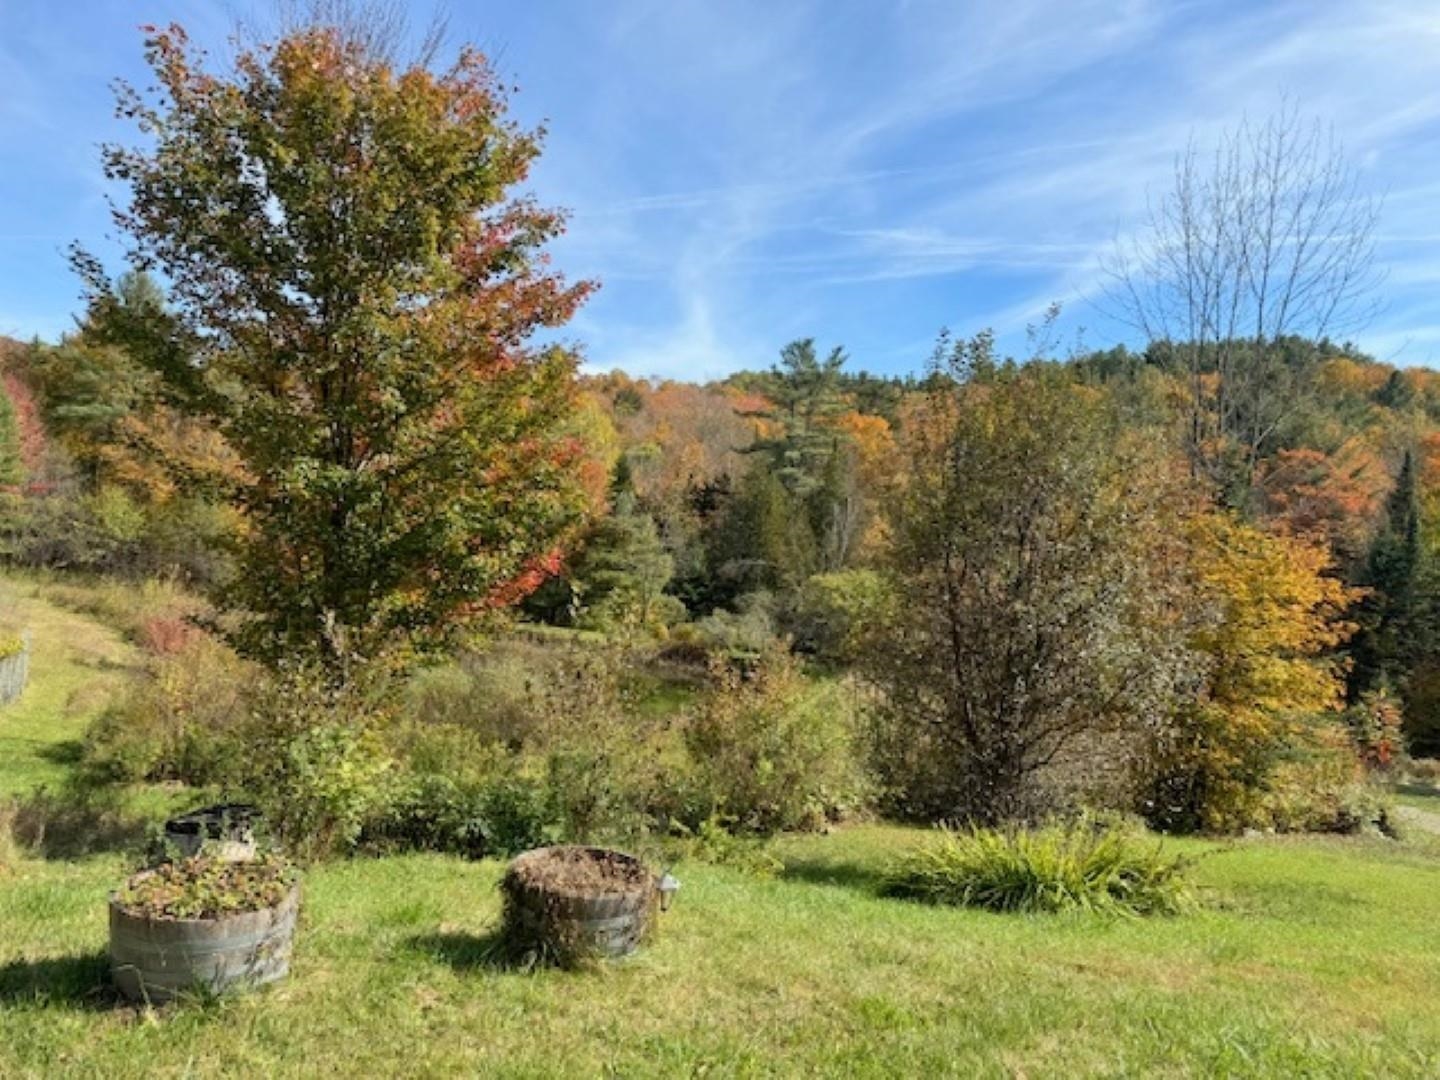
[1377, 728]
[770, 750]
[1077, 866]
[750, 628]
[602, 755]
[715, 842]
[490, 693]
[518, 814]
[1269, 631]
[1037, 599]
[835, 610]
[1321, 786]
[166, 635]
[542, 743]
[314, 759]
[309, 753]
[434, 812]
[442, 695]
[179, 722]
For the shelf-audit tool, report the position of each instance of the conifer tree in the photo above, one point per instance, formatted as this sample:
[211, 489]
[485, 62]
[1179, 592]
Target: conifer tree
[1391, 626]
[622, 575]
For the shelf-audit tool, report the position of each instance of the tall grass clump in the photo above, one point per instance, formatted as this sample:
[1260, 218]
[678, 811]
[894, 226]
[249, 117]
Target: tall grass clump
[1073, 866]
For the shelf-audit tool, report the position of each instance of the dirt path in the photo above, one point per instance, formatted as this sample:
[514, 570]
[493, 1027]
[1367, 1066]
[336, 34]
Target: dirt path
[76, 664]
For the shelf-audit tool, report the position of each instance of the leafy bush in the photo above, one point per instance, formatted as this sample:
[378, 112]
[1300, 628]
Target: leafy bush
[181, 721]
[771, 750]
[207, 888]
[165, 635]
[315, 761]
[1077, 866]
[525, 745]
[1270, 626]
[750, 628]
[1037, 599]
[602, 755]
[715, 842]
[1321, 786]
[107, 532]
[1377, 728]
[434, 812]
[1305, 776]
[835, 610]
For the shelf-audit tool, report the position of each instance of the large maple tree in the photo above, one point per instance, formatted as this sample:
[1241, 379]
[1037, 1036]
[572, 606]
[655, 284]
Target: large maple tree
[354, 290]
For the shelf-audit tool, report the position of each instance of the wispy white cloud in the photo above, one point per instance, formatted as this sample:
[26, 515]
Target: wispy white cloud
[977, 162]
[747, 172]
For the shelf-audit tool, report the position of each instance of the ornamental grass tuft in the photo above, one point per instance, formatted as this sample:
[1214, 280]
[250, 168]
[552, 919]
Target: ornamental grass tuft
[1072, 866]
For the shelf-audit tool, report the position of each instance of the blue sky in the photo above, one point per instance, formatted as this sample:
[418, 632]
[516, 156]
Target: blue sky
[744, 172]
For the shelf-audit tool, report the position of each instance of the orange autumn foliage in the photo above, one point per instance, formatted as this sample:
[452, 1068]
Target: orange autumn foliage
[1329, 498]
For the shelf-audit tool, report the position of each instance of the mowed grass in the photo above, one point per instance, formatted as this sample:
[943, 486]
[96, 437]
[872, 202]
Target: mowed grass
[1310, 957]
[1418, 796]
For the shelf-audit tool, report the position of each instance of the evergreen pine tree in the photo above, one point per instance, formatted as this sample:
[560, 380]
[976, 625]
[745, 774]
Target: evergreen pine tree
[1389, 640]
[622, 575]
[807, 395]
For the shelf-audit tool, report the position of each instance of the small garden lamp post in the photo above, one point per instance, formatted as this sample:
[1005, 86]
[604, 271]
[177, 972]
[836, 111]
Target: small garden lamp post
[668, 886]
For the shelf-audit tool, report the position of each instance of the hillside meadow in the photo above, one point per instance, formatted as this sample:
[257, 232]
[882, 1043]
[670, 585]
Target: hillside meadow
[1306, 957]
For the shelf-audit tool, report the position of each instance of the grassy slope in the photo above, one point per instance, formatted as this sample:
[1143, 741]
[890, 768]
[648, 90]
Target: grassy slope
[75, 664]
[1313, 958]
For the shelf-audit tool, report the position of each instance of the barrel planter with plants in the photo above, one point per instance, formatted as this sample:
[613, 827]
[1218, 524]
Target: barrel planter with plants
[203, 925]
[567, 905]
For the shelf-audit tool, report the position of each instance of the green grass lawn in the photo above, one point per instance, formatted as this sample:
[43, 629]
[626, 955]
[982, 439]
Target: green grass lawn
[1312, 958]
[1309, 957]
[1419, 796]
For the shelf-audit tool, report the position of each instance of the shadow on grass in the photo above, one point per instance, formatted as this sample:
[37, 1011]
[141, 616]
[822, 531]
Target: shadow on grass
[470, 952]
[1410, 787]
[66, 752]
[64, 825]
[81, 981]
[865, 878]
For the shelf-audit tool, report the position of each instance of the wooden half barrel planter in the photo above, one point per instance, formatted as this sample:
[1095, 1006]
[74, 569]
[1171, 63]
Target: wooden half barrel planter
[572, 904]
[155, 958]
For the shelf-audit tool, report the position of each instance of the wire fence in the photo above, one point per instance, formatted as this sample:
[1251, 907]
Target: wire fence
[14, 671]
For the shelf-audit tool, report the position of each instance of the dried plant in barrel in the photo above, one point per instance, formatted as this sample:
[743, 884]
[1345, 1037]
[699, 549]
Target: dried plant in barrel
[570, 905]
